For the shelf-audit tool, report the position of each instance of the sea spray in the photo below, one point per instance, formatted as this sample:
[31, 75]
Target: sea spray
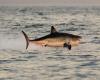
[12, 43]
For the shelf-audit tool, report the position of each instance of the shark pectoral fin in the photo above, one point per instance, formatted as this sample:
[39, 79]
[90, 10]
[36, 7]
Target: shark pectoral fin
[67, 45]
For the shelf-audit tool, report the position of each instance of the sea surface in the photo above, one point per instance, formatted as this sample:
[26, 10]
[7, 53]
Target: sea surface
[49, 63]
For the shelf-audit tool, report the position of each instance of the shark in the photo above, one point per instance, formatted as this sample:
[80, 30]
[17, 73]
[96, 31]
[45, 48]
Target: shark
[55, 39]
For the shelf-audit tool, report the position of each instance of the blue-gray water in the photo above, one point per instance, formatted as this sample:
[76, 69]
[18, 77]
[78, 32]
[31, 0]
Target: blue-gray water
[46, 63]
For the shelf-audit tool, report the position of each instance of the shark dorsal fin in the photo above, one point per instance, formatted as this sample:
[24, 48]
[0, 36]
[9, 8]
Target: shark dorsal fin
[53, 30]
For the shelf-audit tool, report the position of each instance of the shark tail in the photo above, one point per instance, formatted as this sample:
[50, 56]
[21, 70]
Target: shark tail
[27, 39]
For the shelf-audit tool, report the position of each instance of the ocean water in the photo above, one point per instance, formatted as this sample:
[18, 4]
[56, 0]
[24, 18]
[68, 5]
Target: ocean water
[46, 63]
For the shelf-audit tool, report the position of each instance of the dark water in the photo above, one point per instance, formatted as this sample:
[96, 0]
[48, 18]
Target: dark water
[40, 63]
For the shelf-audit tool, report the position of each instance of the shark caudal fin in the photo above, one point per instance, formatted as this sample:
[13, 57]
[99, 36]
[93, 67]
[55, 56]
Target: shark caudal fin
[27, 39]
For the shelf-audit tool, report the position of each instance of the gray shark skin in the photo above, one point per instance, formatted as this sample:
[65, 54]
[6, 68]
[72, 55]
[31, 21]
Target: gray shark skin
[55, 39]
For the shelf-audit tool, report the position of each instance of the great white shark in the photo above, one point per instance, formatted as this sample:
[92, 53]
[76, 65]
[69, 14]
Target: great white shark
[55, 39]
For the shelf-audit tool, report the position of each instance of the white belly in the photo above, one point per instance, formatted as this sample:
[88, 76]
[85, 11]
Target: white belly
[57, 43]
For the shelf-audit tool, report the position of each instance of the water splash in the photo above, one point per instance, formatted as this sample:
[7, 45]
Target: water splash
[12, 43]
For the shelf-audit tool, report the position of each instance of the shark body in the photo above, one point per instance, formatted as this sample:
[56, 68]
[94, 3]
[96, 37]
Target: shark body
[55, 39]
